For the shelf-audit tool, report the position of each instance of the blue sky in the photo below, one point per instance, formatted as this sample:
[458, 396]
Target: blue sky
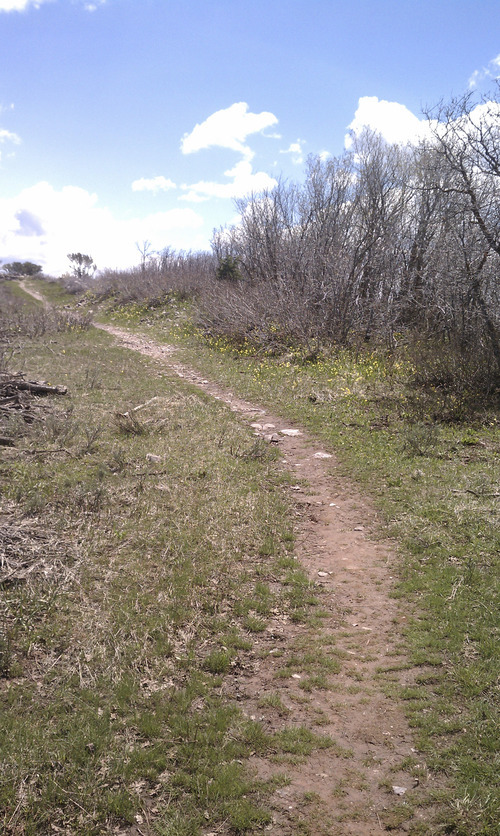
[130, 120]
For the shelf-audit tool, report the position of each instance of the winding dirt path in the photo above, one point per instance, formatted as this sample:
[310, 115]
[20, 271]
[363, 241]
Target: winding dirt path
[359, 787]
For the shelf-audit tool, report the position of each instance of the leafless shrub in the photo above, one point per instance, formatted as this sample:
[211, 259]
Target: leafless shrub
[36, 323]
[93, 379]
[5, 360]
[456, 381]
[91, 434]
[90, 498]
[128, 424]
[159, 276]
[75, 286]
[57, 426]
[420, 439]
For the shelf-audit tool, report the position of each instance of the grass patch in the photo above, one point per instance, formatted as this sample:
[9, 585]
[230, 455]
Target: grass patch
[301, 741]
[15, 292]
[53, 290]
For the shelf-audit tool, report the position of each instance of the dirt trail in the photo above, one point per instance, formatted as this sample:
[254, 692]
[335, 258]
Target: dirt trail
[34, 293]
[353, 783]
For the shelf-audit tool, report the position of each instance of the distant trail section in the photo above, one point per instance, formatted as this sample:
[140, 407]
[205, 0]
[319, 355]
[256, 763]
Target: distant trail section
[34, 293]
[360, 786]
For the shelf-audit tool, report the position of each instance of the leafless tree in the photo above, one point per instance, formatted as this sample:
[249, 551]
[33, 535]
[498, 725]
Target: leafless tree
[466, 146]
[146, 252]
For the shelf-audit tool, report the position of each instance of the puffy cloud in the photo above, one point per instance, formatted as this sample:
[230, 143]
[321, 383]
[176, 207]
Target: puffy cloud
[295, 151]
[42, 225]
[243, 182]
[153, 184]
[396, 124]
[492, 70]
[392, 120]
[228, 128]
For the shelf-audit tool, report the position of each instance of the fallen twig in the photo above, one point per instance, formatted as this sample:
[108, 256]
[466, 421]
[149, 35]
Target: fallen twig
[476, 493]
[48, 452]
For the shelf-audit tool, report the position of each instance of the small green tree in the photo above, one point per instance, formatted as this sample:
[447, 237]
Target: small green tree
[82, 266]
[228, 269]
[21, 268]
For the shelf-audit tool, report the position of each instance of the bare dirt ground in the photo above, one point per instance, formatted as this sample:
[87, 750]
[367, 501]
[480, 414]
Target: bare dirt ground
[358, 787]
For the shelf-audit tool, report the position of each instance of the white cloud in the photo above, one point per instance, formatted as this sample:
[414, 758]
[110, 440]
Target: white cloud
[484, 116]
[91, 7]
[243, 182]
[228, 128]
[8, 136]
[475, 78]
[19, 5]
[153, 184]
[295, 151]
[194, 196]
[392, 120]
[492, 70]
[42, 225]
[24, 5]
[324, 155]
[396, 124]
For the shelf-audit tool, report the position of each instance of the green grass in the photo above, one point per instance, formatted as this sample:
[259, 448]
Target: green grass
[115, 646]
[433, 469]
[13, 291]
[52, 290]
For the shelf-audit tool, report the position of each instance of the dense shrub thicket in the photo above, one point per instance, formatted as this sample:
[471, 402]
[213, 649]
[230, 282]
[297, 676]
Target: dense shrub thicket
[383, 243]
